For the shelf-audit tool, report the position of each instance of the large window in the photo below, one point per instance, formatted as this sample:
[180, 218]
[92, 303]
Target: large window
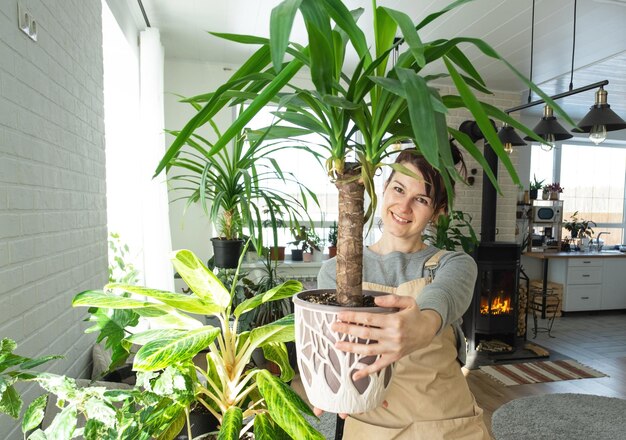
[309, 172]
[593, 178]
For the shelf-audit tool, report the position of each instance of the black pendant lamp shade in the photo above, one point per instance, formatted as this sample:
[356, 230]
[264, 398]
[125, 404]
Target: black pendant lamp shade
[600, 114]
[508, 135]
[549, 129]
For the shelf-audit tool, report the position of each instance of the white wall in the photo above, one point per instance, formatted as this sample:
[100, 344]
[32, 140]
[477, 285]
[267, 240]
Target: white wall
[52, 179]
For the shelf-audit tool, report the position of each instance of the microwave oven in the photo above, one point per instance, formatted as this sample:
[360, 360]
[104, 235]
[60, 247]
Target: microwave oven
[546, 214]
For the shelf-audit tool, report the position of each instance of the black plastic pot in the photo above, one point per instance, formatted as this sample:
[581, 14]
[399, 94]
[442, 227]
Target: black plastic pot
[226, 252]
[202, 422]
[296, 254]
[533, 194]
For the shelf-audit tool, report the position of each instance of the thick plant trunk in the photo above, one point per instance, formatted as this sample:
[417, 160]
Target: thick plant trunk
[350, 238]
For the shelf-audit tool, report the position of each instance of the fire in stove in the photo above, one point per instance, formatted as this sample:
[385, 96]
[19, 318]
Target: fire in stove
[500, 305]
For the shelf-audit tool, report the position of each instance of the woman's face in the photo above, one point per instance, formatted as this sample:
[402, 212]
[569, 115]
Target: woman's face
[406, 207]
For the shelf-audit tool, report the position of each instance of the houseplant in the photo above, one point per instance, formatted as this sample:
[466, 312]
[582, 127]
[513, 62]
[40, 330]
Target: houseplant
[228, 388]
[579, 228]
[555, 190]
[383, 103]
[534, 188]
[305, 240]
[233, 186]
[452, 231]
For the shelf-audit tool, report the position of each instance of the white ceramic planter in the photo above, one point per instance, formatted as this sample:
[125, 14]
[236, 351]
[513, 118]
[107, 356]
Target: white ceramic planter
[326, 372]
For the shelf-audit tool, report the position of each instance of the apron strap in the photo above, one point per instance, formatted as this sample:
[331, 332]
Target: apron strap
[432, 264]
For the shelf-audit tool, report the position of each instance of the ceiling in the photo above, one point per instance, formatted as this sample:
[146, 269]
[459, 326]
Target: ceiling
[600, 49]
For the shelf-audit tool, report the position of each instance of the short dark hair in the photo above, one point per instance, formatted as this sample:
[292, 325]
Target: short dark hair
[434, 182]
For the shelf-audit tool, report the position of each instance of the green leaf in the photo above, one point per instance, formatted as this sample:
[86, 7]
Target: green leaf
[111, 325]
[231, 424]
[186, 303]
[200, 279]
[281, 22]
[38, 435]
[98, 298]
[63, 424]
[11, 402]
[266, 429]
[277, 353]
[285, 290]
[34, 413]
[174, 428]
[286, 407]
[278, 331]
[410, 35]
[422, 114]
[161, 353]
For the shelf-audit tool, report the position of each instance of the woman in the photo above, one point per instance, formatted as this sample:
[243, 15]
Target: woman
[429, 397]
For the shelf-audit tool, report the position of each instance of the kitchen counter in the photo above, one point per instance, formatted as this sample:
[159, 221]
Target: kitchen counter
[548, 255]
[591, 280]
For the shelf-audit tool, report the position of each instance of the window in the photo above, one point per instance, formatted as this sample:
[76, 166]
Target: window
[593, 178]
[310, 173]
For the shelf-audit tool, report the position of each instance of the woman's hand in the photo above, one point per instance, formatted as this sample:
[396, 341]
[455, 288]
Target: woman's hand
[396, 334]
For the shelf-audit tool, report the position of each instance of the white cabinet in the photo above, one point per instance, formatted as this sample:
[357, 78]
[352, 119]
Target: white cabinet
[614, 284]
[595, 283]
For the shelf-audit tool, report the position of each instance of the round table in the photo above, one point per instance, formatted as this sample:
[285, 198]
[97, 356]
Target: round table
[561, 417]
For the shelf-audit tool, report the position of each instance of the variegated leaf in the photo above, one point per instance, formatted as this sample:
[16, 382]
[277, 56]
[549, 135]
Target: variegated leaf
[277, 353]
[34, 413]
[200, 280]
[98, 298]
[159, 354]
[231, 424]
[151, 335]
[186, 303]
[278, 331]
[285, 290]
[286, 407]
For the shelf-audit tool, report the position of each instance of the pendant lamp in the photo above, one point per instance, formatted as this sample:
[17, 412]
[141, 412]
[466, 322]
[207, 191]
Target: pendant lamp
[549, 129]
[509, 138]
[600, 119]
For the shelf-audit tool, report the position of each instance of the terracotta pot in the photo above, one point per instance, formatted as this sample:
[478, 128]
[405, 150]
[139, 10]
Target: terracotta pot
[554, 195]
[332, 251]
[307, 257]
[277, 253]
[326, 372]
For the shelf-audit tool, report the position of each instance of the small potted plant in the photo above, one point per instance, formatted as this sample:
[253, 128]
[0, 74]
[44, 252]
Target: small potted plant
[579, 228]
[535, 186]
[305, 240]
[555, 190]
[332, 240]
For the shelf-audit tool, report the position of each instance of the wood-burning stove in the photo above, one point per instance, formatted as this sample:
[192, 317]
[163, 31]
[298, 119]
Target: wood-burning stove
[493, 312]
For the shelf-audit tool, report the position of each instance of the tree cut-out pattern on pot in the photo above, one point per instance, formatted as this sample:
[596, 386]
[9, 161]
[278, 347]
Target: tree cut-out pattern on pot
[327, 372]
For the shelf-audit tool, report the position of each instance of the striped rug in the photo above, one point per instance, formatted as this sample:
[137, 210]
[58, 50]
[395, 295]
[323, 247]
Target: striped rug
[538, 372]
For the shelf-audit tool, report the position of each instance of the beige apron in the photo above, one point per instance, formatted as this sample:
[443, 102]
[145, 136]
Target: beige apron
[429, 398]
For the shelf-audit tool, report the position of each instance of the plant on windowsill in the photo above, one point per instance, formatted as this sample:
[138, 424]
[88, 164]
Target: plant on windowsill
[305, 240]
[579, 228]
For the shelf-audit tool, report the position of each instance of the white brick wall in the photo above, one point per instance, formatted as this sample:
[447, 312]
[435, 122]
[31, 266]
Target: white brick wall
[52, 180]
[469, 198]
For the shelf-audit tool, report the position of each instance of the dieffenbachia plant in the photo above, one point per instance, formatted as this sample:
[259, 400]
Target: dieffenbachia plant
[238, 395]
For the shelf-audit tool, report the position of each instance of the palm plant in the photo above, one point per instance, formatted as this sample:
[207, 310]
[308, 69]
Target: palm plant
[360, 113]
[237, 183]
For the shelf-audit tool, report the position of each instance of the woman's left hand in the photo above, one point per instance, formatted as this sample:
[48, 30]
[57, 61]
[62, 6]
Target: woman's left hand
[396, 334]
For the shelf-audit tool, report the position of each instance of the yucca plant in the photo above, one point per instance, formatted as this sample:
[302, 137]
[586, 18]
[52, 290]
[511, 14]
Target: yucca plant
[361, 112]
[237, 394]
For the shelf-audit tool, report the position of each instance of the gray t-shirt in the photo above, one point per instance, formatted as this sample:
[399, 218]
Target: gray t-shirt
[450, 293]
